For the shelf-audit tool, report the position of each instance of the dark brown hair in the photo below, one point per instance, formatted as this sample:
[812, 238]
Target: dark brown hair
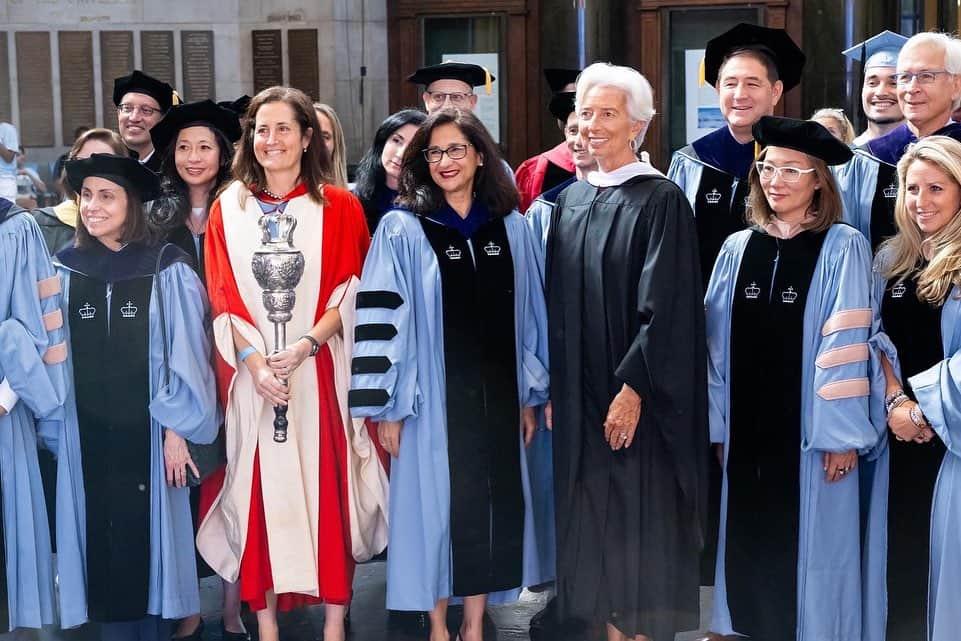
[760, 53]
[107, 136]
[493, 185]
[314, 163]
[135, 229]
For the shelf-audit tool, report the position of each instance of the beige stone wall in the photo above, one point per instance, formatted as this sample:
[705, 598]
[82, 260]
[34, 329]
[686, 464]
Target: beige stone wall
[351, 34]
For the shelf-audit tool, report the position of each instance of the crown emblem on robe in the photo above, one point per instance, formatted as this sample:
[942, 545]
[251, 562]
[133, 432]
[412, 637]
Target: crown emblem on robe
[713, 197]
[129, 310]
[88, 311]
[789, 295]
[898, 290]
[891, 191]
[752, 291]
[452, 252]
[491, 249]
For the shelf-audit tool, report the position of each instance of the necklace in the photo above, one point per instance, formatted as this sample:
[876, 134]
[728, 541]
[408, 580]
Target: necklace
[270, 194]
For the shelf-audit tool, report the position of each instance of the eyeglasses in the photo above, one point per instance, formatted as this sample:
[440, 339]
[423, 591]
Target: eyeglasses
[924, 77]
[768, 172]
[454, 152]
[457, 98]
[145, 111]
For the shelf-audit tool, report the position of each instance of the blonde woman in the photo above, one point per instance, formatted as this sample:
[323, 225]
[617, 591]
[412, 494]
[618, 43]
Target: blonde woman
[836, 122]
[788, 397]
[917, 278]
[332, 134]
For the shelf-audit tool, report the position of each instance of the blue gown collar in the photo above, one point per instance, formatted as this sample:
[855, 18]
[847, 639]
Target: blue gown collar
[720, 150]
[890, 147]
[135, 260]
[6, 209]
[551, 194]
[476, 217]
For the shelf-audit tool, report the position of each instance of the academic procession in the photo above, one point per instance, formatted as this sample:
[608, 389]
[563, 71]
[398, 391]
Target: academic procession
[714, 398]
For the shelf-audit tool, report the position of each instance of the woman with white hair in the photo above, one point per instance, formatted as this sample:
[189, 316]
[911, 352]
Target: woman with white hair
[628, 377]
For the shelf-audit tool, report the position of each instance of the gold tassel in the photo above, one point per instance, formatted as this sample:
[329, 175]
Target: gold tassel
[701, 81]
[175, 99]
[757, 149]
[488, 86]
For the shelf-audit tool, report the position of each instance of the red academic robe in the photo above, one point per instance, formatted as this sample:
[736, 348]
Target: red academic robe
[343, 247]
[530, 175]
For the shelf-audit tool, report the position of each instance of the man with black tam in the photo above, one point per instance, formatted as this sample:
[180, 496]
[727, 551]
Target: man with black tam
[141, 102]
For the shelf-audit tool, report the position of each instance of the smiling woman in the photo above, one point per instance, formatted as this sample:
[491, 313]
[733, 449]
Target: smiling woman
[917, 274]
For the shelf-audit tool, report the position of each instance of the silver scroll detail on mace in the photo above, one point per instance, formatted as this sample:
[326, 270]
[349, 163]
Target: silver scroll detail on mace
[278, 267]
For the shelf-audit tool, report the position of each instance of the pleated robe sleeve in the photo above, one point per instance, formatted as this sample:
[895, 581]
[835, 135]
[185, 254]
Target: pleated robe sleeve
[384, 384]
[32, 354]
[665, 363]
[857, 180]
[188, 406]
[686, 174]
[938, 392]
[835, 417]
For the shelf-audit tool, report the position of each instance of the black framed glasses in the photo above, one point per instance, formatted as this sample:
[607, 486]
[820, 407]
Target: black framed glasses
[454, 152]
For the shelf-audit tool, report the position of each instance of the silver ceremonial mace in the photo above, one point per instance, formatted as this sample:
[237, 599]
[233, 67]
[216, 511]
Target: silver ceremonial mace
[278, 267]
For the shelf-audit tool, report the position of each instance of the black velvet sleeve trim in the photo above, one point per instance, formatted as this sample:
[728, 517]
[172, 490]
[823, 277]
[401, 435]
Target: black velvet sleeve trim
[370, 365]
[380, 298]
[374, 332]
[367, 398]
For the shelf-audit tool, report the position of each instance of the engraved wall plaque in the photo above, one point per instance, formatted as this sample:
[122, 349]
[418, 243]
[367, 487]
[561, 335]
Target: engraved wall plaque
[267, 59]
[157, 55]
[302, 60]
[34, 82]
[116, 59]
[77, 107]
[197, 48]
[5, 106]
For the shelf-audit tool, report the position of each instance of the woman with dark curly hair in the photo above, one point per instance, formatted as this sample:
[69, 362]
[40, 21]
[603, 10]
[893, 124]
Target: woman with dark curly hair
[451, 358]
[379, 169]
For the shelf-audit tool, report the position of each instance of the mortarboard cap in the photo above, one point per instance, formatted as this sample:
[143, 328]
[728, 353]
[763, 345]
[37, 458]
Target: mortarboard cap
[205, 112]
[127, 172]
[801, 135]
[238, 106]
[562, 105]
[139, 82]
[775, 43]
[473, 75]
[557, 79]
[878, 51]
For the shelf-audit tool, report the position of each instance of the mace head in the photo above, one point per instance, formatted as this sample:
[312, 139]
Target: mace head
[277, 229]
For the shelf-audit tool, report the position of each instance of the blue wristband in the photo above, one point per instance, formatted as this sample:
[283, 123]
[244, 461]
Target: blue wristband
[245, 352]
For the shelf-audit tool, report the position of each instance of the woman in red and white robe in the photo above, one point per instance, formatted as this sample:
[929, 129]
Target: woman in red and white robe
[291, 517]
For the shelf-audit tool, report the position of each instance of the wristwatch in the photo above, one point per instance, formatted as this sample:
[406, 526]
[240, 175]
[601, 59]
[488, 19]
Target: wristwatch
[314, 345]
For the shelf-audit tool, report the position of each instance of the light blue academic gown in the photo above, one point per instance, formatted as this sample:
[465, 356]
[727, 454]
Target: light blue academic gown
[39, 411]
[188, 405]
[831, 581]
[402, 261]
[938, 392]
[857, 181]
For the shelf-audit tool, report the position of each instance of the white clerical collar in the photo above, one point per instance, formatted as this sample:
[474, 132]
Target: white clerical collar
[621, 175]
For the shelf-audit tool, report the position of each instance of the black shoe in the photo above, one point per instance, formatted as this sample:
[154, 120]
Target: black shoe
[196, 635]
[233, 636]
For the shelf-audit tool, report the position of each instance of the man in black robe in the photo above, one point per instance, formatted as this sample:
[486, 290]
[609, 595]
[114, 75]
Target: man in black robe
[627, 348]
[141, 102]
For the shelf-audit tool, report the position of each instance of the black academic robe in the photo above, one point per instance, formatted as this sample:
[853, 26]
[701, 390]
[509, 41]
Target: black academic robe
[624, 306]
